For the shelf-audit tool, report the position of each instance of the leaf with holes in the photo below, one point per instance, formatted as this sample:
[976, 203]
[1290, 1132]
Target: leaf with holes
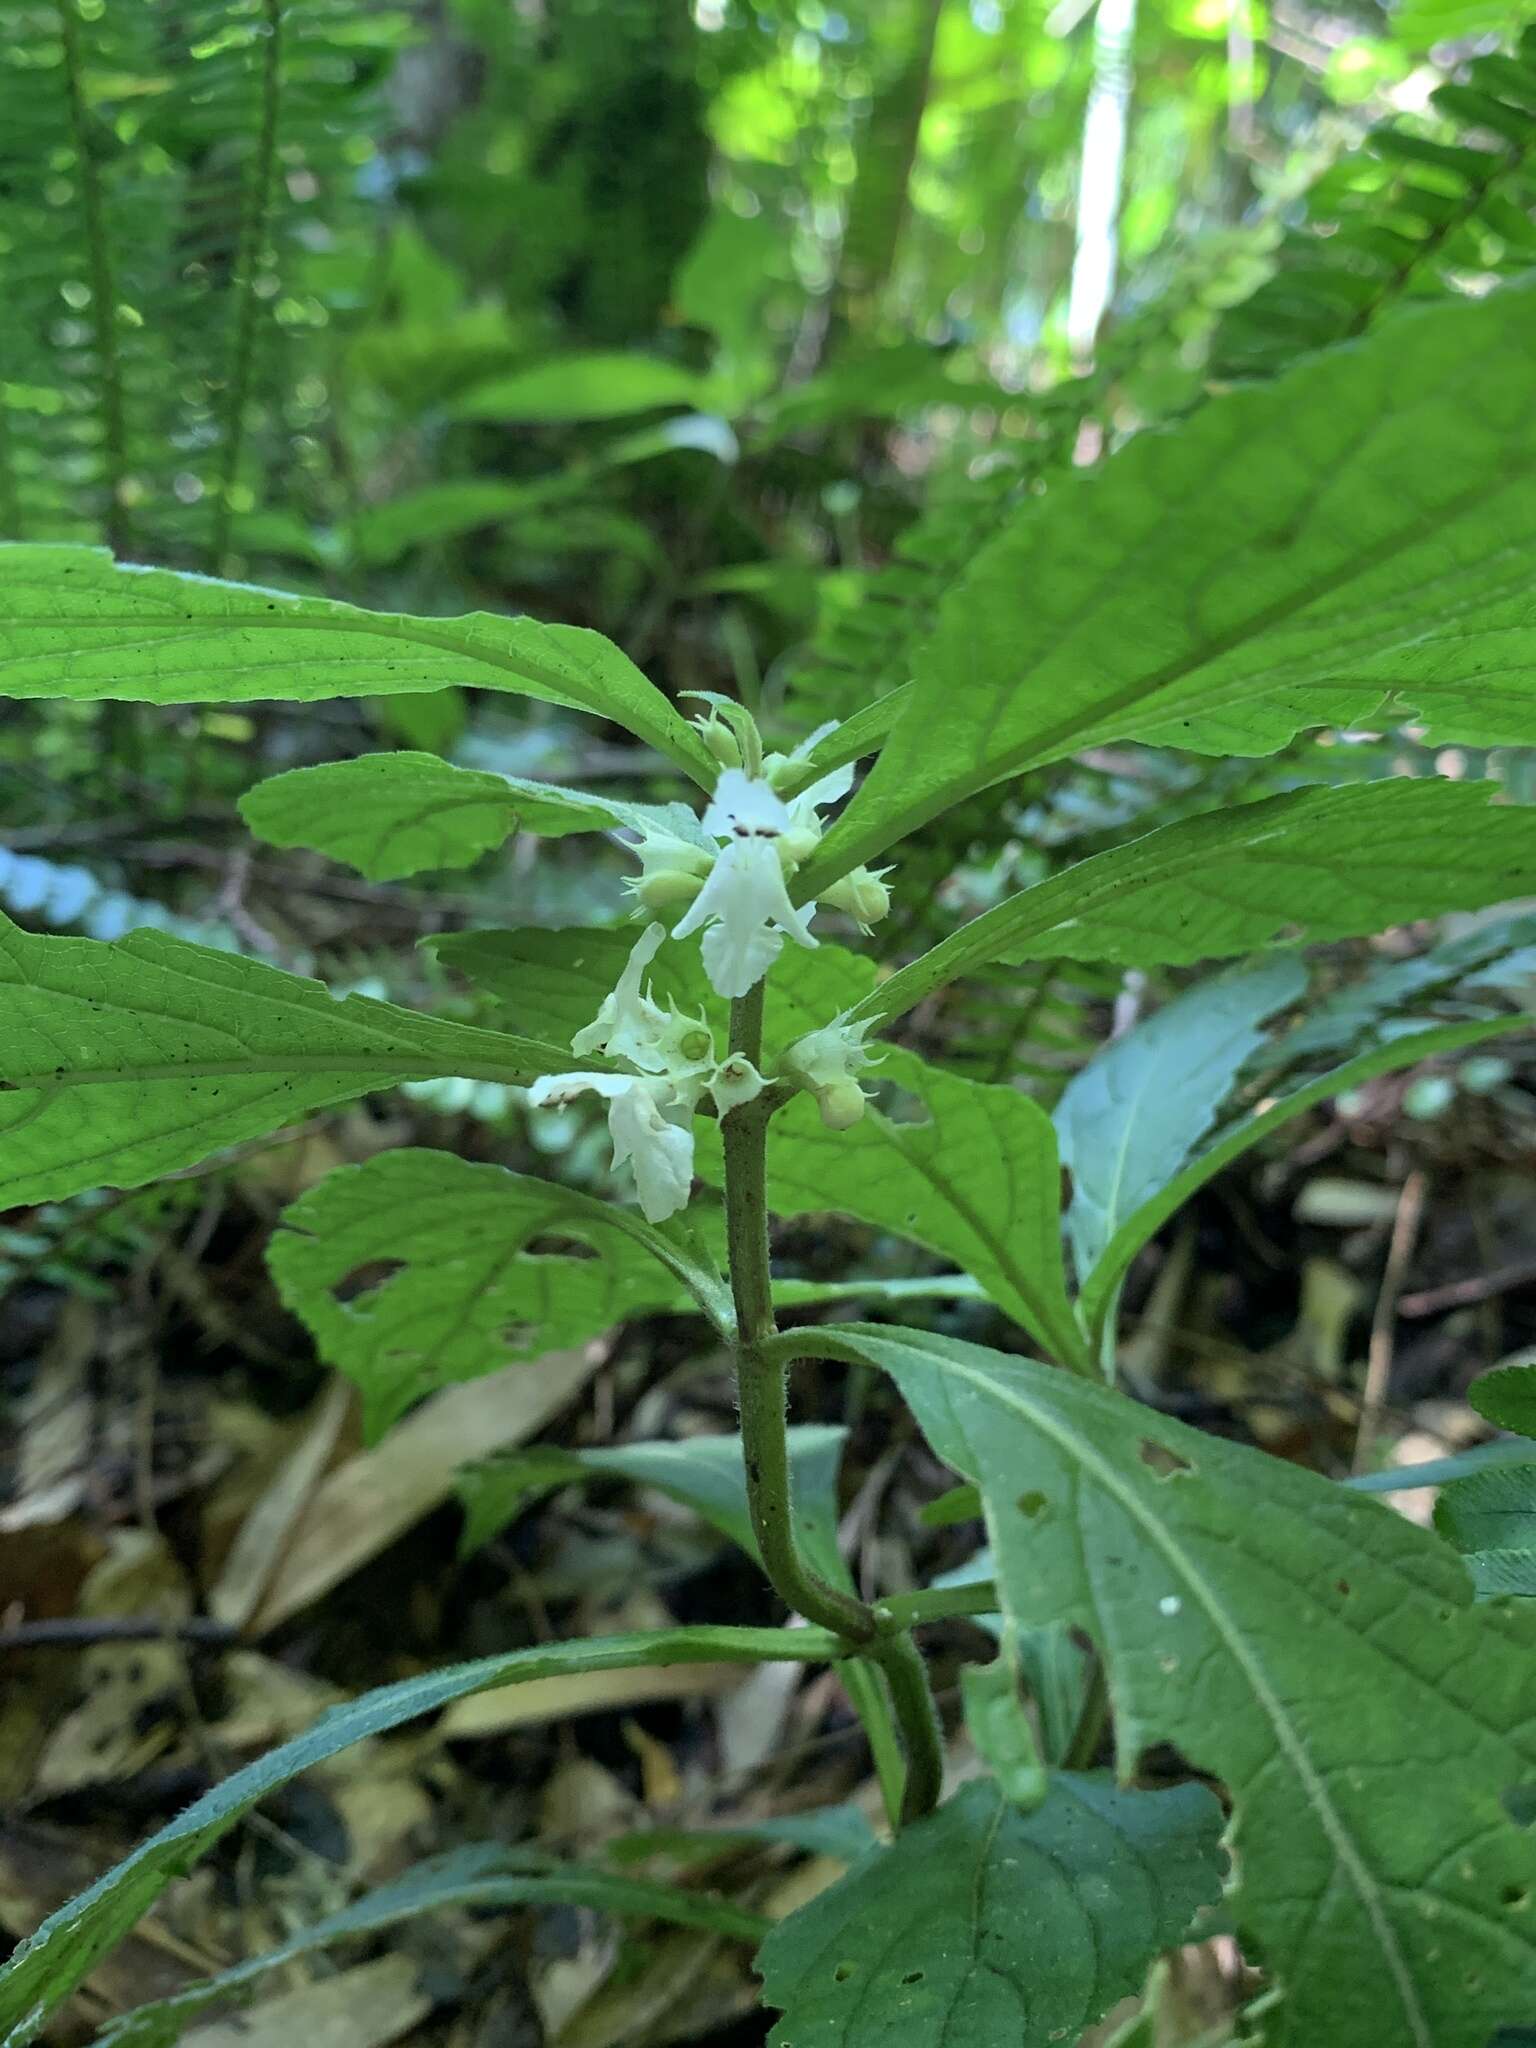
[46, 1968]
[76, 625]
[984, 1926]
[121, 1061]
[1347, 542]
[1245, 1609]
[1326, 863]
[464, 1287]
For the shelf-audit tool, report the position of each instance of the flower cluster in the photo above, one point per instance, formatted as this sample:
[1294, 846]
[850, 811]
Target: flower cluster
[729, 874]
[650, 1109]
[735, 878]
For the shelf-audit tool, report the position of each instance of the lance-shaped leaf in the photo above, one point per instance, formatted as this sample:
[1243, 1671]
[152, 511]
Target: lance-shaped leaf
[487, 1875]
[1349, 541]
[77, 625]
[1315, 864]
[995, 1928]
[396, 814]
[705, 1473]
[978, 1180]
[389, 815]
[418, 1269]
[1412, 1043]
[1300, 1642]
[45, 1969]
[124, 1060]
[1129, 1119]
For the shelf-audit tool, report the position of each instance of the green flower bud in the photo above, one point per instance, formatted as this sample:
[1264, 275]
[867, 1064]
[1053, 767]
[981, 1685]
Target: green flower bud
[862, 894]
[664, 889]
[841, 1104]
[722, 743]
[796, 845]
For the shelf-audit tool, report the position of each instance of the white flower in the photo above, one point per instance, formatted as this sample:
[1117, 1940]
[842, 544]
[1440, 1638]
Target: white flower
[745, 904]
[652, 1131]
[629, 1024]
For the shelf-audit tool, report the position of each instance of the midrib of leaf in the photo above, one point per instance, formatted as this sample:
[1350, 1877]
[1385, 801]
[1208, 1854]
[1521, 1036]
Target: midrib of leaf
[114, 427]
[842, 851]
[253, 235]
[1342, 1843]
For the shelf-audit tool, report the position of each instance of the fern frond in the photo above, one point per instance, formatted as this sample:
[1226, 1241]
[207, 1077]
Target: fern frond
[1424, 208]
[172, 172]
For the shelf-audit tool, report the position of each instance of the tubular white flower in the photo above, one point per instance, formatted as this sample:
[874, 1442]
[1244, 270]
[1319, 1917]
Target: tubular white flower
[642, 1122]
[629, 1024]
[746, 908]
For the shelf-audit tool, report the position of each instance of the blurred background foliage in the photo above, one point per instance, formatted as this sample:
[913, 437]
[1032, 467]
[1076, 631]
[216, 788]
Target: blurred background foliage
[728, 329]
[731, 330]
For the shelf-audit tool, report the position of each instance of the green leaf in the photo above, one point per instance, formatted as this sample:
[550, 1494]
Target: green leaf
[386, 815]
[1101, 1287]
[1491, 1518]
[1507, 1397]
[70, 1943]
[1245, 1609]
[1128, 1121]
[446, 1286]
[977, 1181]
[440, 511]
[705, 1473]
[582, 387]
[1315, 864]
[992, 1928]
[487, 1875]
[389, 815]
[74, 624]
[1340, 545]
[125, 1060]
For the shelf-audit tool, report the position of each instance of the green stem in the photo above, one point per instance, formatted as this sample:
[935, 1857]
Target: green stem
[762, 1361]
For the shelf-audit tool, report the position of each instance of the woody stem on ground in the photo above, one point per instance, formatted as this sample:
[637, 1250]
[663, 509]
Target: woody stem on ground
[762, 1369]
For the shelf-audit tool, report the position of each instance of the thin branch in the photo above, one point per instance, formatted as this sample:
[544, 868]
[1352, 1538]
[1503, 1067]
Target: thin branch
[1378, 1371]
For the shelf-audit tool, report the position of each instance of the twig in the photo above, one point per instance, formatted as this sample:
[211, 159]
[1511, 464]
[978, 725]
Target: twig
[1465, 1293]
[80, 1631]
[1378, 1371]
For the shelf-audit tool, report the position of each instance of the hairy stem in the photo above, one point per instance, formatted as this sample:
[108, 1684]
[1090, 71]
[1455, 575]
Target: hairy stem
[762, 1361]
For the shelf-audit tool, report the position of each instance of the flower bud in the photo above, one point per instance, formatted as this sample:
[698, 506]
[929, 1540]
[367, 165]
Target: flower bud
[862, 894]
[721, 742]
[841, 1104]
[795, 845]
[662, 890]
[828, 1063]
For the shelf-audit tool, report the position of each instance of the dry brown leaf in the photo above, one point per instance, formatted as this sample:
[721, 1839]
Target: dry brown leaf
[268, 1529]
[586, 1692]
[374, 1497]
[54, 1427]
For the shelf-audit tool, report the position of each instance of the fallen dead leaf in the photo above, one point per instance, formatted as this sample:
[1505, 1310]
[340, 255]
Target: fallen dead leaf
[363, 1505]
